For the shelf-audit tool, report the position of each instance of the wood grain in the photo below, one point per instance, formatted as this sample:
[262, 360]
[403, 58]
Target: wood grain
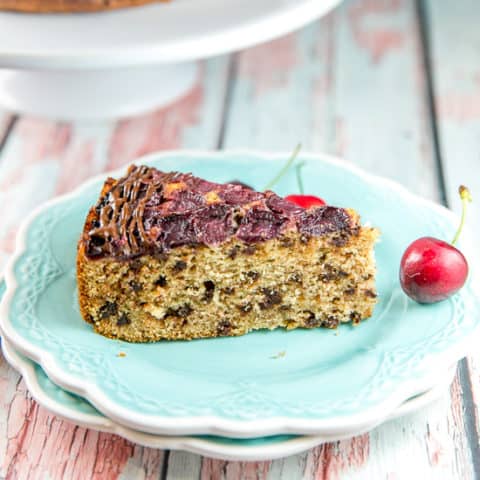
[44, 158]
[455, 43]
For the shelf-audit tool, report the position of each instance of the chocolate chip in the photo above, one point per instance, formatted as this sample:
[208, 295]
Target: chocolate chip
[246, 307]
[327, 277]
[123, 320]
[161, 281]
[286, 242]
[330, 322]
[370, 293]
[209, 285]
[97, 241]
[224, 327]
[179, 266]
[209, 290]
[250, 249]
[184, 310]
[271, 298]
[233, 252]
[108, 309]
[252, 274]
[332, 273]
[135, 286]
[340, 240]
[311, 321]
[350, 291]
[355, 317]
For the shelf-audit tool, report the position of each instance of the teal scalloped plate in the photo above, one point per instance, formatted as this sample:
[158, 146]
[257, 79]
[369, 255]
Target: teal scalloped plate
[327, 382]
[78, 410]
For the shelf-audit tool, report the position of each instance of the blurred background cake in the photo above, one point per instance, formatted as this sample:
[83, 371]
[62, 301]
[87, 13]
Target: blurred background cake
[48, 6]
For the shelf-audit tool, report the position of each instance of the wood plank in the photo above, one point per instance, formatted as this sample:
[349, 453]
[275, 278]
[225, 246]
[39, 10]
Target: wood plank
[455, 43]
[6, 122]
[183, 465]
[384, 123]
[352, 84]
[384, 127]
[42, 159]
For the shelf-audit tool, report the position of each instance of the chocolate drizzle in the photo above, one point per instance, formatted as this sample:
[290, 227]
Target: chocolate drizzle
[149, 211]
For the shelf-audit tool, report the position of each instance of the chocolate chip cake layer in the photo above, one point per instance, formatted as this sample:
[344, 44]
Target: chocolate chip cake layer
[65, 6]
[172, 256]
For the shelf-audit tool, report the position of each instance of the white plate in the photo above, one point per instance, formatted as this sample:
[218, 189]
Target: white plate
[167, 33]
[67, 406]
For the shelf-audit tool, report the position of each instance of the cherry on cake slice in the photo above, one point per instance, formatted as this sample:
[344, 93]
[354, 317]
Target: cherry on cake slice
[170, 256]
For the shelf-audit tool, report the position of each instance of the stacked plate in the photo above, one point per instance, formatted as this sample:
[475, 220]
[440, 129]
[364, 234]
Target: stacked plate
[263, 395]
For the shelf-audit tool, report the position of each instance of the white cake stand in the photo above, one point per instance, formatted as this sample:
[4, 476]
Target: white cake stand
[128, 61]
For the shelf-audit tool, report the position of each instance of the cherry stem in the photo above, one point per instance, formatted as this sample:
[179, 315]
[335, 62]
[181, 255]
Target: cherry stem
[285, 168]
[298, 172]
[466, 197]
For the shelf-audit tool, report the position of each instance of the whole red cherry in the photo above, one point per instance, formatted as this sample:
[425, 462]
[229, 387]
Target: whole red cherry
[306, 201]
[432, 270]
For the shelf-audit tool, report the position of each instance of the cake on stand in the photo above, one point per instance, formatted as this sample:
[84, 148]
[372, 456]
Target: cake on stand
[123, 62]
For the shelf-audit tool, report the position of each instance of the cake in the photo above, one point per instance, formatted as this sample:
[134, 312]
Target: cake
[172, 256]
[64, 6]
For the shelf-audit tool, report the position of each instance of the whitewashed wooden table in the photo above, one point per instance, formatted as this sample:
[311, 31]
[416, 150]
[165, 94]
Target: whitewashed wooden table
[391, 85]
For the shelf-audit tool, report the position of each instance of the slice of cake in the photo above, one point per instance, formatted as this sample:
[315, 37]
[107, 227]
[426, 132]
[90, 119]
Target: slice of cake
[172, 256]
[67, 6]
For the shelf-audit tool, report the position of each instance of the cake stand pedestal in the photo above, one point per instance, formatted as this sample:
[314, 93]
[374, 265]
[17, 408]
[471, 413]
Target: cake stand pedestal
[132, 60]
[94, 94]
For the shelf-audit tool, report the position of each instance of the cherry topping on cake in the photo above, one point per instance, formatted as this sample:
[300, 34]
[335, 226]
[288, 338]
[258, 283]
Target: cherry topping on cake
[431, 269]
[306, 201]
